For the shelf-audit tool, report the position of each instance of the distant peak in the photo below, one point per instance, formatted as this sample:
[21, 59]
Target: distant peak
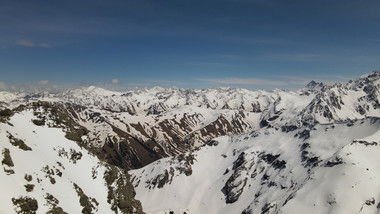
[91, 88]
[156, 89]
[373, 75]
[99, 91]
[312, 84]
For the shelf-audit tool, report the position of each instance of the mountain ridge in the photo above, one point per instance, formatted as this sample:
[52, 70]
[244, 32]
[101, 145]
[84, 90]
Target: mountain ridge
[233, 149]
[156, 124]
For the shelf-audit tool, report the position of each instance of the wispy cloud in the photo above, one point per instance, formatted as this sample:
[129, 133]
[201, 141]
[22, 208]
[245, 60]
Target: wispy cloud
[211, 64]
[3, 86]
[304, 57]
[26, 43]
[156, 82]
[42, 85]
[115, 81]
[30, 44]
[118, 85]
[43, 45]
[285, 82]
[243, 81]
[260, 40]
[43, 82]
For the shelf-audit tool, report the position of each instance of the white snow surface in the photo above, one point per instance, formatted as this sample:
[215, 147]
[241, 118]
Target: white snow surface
[8, 97]
[341, 188]
[46, 144]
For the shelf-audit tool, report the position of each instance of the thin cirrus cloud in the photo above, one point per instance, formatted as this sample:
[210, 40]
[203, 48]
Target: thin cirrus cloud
[115, 81]
[30, 44]
[241, 81]
[43, 82]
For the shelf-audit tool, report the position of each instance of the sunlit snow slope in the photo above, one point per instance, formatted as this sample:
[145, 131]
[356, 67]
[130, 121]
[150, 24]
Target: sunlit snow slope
[42, 171]
[315, 169]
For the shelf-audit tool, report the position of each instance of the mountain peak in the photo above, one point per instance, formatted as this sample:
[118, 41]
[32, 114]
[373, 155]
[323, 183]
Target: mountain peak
[90, 88]
[374, 75]
[312, 85]
[100, 91]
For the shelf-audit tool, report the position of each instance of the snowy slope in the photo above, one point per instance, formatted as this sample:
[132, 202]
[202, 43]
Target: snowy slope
[52, 171]
[355, 99]
[318, 169]
[8, 97]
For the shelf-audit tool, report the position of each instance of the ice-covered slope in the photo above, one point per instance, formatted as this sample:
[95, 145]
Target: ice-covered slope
[44, 172]
[314, 169]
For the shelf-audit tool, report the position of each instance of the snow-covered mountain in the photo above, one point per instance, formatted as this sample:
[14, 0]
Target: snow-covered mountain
[324, 168]
[221, 150]
[353, 100]
[45, 171]
[159, 122]
[313, 154]
[157, 100]
[133, 129]
[159, 135]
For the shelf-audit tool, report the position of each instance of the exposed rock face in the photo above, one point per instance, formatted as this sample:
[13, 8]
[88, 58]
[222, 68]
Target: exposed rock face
[235, 184]
[133, 141]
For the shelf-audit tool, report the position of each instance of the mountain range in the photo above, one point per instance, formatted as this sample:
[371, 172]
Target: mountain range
[223, 150]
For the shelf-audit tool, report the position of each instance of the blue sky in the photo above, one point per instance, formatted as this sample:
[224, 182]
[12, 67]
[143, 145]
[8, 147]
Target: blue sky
[258, 44]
